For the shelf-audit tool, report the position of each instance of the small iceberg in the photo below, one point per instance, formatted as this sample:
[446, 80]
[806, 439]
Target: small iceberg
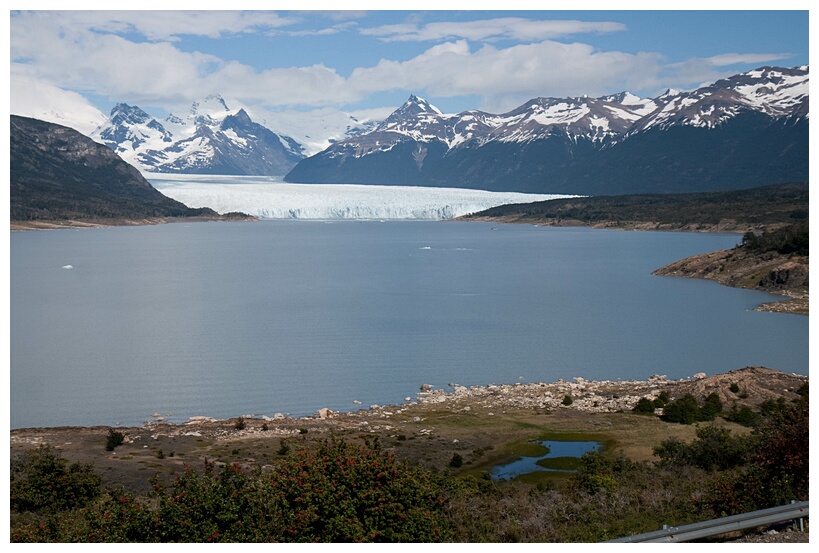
[68, 266]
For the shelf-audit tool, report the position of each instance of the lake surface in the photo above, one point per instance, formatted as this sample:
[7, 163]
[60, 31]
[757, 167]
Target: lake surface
[110, 325]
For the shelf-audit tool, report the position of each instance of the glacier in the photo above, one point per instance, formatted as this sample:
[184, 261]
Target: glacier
[271, 198]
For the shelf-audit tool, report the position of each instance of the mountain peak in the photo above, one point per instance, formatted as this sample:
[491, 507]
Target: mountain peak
[211, 105]
[123, 113]
[240, 118]
[411, 109]
[416, 104]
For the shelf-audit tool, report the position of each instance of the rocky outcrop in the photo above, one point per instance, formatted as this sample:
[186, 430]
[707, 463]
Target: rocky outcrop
[769, 272]
[755, 384]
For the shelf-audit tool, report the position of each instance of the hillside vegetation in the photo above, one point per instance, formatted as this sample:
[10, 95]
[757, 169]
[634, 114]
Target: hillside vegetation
[729, 211]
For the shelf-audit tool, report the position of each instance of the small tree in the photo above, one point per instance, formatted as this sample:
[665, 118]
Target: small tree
[711, 408]
[113, 439]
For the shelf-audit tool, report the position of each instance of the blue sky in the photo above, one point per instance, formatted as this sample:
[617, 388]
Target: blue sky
[372, 60]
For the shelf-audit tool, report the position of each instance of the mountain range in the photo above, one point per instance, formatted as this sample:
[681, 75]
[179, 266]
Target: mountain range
[743, 131]
[746, 130]
[210, 139]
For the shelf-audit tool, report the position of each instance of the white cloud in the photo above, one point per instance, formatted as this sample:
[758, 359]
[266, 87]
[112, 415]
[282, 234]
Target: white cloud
[528, 70]
[514, 28]
[723, 60]
[41, 100]
[81, 51]
[156, 73]
[167, 27]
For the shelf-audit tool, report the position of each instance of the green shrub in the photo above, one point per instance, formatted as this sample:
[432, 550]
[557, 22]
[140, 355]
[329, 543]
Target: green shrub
[686, 410]
[711, 408]
[600, 472]
[42, 481]
[457, 461]
[567, 400]
[734, 387]
[645, 406]
[744, 416]
[113, 439]
[331, 491]
[774, 408]
[713, 449]
[777, 468]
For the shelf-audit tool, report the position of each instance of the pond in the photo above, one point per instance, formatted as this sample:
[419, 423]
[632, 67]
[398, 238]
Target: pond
[553, 456]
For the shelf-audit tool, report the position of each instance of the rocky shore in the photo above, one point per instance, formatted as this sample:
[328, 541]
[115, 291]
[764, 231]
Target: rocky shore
[786, 275]
[756, 384]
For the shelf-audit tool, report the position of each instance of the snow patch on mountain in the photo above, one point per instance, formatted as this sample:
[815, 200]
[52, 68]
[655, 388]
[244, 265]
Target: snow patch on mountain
[775, 92]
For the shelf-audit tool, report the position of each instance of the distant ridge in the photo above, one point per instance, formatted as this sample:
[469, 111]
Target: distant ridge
[764, 207]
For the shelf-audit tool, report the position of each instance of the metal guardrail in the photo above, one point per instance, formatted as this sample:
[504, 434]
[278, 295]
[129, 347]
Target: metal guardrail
[797, 510]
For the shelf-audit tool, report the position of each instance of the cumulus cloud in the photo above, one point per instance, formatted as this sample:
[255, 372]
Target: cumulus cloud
[137, 57]
[527, 70]
[80, 58]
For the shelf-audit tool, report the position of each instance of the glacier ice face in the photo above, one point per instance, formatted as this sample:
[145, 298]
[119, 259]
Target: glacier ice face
[270, 198]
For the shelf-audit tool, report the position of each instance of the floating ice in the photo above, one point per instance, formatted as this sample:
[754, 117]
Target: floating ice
[68, 266]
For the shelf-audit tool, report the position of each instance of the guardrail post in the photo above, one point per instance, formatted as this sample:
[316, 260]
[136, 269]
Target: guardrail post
[800, 521]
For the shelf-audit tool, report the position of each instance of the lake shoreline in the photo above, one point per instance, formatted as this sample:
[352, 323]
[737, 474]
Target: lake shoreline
[588, 396]
[796, 299]
[51, 224]
[485, 425]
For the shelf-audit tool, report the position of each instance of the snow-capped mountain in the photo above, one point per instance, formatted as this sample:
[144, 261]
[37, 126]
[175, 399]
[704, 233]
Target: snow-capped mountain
[775, 92]
[210, 139]
[744, 130]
